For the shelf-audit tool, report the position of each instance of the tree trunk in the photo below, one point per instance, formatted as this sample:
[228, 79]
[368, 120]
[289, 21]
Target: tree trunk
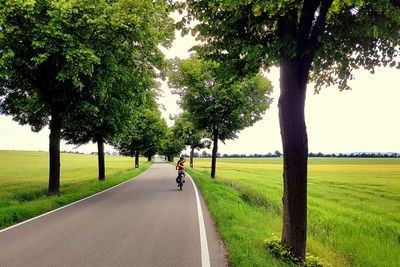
[191, 157]
[170, 158]
[137, 159]
[100, 159]
[148, 158]
[293, 82]
[54, 152]
[214, 153]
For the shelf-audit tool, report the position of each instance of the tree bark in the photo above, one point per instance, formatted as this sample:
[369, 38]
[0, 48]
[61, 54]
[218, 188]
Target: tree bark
[170, 158]
[54, 152]
[214, 153]
[293, 82]
[137, 159]
[149, 158]
[191, 157]
[100, 158]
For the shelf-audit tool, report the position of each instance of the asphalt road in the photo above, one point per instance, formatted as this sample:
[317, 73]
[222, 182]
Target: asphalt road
[144, 222]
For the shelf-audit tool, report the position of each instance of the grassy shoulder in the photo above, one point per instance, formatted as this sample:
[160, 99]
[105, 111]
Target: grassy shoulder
[24, 196]
[241, 219]
[352, 206]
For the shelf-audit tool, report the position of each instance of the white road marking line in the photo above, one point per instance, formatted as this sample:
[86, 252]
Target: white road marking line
[205, 257]
[66, 206]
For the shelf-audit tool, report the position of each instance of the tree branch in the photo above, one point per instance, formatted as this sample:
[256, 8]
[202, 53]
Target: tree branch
[307, 18]
[287, 24]
[319, 25]
[287, 31]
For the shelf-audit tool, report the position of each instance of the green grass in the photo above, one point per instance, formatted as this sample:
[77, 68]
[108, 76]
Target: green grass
[24, 181]
[353, 208]
[242, 225]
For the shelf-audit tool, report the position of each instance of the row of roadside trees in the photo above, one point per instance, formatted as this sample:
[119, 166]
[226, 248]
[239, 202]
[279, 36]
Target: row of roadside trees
[87, 70]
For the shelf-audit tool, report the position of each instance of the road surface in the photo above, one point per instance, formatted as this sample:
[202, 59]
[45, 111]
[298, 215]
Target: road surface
[144, 222]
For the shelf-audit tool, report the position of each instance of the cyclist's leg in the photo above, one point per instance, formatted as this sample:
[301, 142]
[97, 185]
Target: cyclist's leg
[177, 179]
[183, 175]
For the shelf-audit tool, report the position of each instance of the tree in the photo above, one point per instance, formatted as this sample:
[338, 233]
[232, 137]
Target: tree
[220, 108]
[173, 143]
[277, 153]
[49, 50]
[118, 87]
[144, 134]
[311, 40]
[194, 138]
[154, 134]
[154, 139]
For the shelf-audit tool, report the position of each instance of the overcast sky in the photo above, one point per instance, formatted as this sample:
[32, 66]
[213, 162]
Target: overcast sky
[365, 119]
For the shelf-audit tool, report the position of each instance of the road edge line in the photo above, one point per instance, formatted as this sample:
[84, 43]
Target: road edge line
[68, 205]
[205, 256]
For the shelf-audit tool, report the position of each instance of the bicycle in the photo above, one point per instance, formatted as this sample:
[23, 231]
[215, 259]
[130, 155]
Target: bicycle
[180, 181]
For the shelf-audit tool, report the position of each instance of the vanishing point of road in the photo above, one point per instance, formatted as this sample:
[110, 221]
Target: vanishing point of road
[143, 222]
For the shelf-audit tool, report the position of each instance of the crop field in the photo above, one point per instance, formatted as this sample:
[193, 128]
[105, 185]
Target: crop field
[353, 205]
[24, 181]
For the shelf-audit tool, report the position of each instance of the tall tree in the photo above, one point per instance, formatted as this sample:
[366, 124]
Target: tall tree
[153, 134]
[108, 111]
[144, 134]
[221, 108]
[49, 49]
[174, 142]
[154, 138]
[195, 138]
[311, 40]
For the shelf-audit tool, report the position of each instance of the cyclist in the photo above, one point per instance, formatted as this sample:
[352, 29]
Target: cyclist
[180, 166]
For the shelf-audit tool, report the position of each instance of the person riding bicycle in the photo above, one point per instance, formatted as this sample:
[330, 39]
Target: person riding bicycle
[180, 166]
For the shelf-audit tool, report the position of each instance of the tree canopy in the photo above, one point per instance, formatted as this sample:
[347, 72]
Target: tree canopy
[212, 103]
[337, 36]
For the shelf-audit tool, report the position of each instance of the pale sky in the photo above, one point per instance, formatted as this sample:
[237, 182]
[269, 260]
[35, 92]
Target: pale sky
[365, 119]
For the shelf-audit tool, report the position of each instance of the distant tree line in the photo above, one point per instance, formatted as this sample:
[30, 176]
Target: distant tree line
[71, 152]
[355, 155]
[107, 153]
[277, 154]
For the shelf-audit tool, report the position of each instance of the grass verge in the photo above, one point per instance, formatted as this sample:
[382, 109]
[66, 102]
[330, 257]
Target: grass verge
[353, 204]
[241, 220]
[40, 204]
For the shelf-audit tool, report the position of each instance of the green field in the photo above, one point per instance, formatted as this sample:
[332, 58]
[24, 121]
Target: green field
[24, 181]
[353, 208]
